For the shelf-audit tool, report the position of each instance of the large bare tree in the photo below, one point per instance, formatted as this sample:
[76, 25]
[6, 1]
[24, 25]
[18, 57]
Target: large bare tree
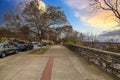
[41, 21]
[110, 5]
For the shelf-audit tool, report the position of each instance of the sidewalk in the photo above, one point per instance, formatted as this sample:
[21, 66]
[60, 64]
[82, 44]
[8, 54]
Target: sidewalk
[58, 63]
[69, 66]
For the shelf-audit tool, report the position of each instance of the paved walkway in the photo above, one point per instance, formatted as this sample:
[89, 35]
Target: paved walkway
[58, 63]
[69, 66]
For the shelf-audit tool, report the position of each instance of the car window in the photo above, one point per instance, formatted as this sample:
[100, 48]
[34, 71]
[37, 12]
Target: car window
[1, 45]
[5, 45]
[10, 46]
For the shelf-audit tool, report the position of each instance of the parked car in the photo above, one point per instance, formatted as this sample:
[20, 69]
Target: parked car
[39, 44]
[44, 43]
[6, 49]
[36, 44]
[20, 45]
[29, 45]
[23, 45]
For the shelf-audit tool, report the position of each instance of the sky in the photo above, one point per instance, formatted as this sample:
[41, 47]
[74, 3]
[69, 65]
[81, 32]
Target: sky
[77, 12]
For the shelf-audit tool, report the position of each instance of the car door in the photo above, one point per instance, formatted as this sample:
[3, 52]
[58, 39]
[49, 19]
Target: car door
[6, 48]
[11, 48]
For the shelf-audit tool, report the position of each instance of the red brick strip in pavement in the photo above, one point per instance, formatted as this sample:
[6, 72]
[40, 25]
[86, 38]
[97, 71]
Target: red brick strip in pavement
[48, 70]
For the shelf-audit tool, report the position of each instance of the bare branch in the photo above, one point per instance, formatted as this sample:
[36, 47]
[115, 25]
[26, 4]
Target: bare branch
[110, 5]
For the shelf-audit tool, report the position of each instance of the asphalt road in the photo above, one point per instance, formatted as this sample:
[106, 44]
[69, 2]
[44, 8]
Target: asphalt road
[58, 63]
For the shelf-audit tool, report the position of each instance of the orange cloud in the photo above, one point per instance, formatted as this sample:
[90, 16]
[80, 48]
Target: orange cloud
[103, 19]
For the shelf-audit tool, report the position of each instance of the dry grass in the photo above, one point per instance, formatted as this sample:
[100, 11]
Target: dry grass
[41, 50]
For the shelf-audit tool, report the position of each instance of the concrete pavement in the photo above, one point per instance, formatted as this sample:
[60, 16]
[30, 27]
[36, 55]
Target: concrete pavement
[58, 63]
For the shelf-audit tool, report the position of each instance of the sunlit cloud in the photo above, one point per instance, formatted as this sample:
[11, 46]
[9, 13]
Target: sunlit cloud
[102, 19]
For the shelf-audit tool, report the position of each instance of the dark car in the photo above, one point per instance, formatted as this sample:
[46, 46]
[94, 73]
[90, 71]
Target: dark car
[29, 46]
[6, 49]
[23, 45]
[20, 45]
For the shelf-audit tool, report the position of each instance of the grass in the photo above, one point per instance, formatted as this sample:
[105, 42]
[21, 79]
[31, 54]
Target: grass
[41, 50]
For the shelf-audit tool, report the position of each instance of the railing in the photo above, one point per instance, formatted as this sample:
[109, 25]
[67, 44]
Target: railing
[108, 61]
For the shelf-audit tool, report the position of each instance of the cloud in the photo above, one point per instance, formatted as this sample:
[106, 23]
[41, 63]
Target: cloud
[111, 33]
[77, 4]
[101, 19]
[77, 14]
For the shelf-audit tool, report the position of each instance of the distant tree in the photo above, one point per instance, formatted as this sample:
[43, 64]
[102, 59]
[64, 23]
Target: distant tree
[108, 5]
[6, 33]
[2, 32]
[56, 34]
[12, 22]
[73, 36]
[91, 38]
[81, 37]
[64, 31]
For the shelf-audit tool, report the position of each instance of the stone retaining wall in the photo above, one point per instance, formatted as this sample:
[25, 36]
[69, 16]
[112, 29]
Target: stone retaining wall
[109, 61]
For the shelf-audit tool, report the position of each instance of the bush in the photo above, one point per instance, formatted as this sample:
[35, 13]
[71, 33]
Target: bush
[2, 39]
[68, 40]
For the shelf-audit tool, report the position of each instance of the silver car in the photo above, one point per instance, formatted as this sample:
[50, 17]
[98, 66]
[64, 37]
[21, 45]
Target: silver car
[36, 44]
[6, 49]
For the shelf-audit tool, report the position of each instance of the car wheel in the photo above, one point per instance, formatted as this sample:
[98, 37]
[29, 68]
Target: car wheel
[16, 51]
[28, 49]
[32, 48]
[3, 55]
